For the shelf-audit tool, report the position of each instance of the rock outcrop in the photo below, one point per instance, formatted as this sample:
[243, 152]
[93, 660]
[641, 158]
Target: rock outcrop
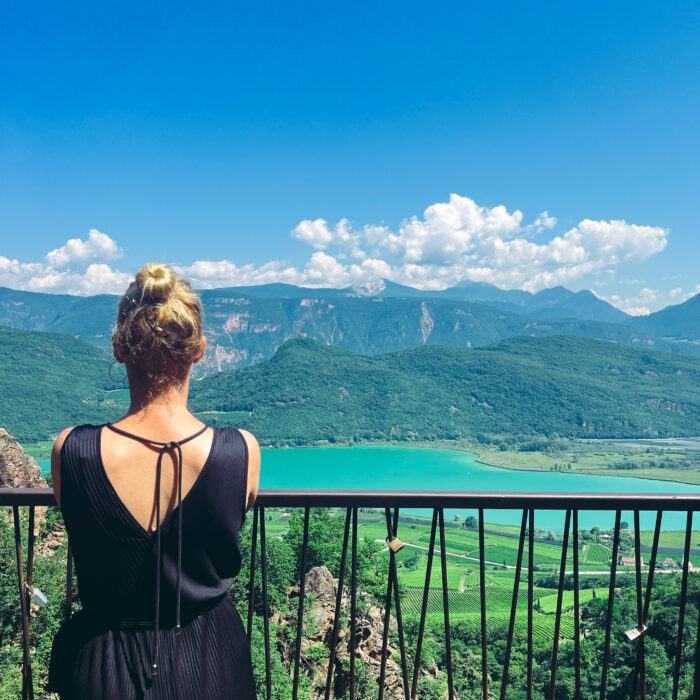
[318, 630]
[17, 468]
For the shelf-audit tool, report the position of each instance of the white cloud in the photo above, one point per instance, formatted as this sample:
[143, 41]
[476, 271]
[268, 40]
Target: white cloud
[460, 240]
[78, 267]
[98, 246]
[451, 242]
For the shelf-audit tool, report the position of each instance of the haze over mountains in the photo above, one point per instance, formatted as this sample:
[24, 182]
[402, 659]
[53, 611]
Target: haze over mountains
[247, 324]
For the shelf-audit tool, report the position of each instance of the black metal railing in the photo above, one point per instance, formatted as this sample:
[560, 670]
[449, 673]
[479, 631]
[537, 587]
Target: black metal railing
[436, 502]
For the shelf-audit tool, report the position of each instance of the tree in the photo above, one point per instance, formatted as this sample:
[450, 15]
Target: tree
[471, 521]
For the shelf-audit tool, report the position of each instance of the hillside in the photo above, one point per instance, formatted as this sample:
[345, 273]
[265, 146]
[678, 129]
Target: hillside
[553, 386]
[49, 381]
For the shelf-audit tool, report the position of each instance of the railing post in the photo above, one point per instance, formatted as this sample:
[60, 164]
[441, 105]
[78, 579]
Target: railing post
[446, 606]
[611, 601]
[424, 604]
[560, 597]
[482, 603]
[27, 684]
[266, 620]
[338, 603]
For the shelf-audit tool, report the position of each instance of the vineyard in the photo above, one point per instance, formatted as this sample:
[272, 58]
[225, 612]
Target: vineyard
[596, 553]
[466, 607]
[548, 604]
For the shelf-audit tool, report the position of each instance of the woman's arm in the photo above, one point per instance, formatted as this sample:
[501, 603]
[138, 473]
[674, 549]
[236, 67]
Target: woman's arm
[56, 464]
[253, 467]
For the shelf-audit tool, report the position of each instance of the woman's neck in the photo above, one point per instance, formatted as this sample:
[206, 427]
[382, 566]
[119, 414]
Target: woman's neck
[167, 404]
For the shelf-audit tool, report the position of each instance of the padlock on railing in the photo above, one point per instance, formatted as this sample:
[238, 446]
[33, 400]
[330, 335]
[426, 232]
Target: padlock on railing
[634, 633]
[394, 544]
[36, 596]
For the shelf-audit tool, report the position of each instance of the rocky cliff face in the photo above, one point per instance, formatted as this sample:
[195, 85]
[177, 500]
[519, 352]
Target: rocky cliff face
[318, 630]
[17, 469]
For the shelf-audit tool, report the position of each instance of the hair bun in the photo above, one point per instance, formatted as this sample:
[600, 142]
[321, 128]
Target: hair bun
[156, 281]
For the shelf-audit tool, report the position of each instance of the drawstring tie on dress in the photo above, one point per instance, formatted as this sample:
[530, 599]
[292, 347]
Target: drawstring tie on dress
[164, 448]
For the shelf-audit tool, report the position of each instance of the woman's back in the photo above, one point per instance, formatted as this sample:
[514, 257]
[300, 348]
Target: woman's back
[115, 554]
[116, 558]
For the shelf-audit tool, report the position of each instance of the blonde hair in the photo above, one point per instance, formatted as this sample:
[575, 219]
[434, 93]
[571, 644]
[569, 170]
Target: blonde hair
[159, 326]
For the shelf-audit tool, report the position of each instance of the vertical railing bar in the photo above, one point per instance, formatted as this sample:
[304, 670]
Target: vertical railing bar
[353, 596]
[27, 685]
[397, 603]
[482, 601]
[69, 582]
[577, 610]
[30, 560]
[446, 605]
[681, 611]
[387, 620]
[302, 593]
[424, 605]
[647, 595]
[514, 606]
[611, 602]
[696, 675]
[560, 599]
[652, 566]
[251, 578]
[640, 605]
[263, 566]
[530, 598]
[338, 604]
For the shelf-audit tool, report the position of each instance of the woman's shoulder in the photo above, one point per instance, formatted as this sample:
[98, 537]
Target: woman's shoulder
[73, 432]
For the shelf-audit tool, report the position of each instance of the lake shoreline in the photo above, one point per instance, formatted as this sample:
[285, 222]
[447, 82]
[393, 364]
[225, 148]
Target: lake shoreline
[456, 447]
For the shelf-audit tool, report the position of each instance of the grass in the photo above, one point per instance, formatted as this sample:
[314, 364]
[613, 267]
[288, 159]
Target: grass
[643, 459]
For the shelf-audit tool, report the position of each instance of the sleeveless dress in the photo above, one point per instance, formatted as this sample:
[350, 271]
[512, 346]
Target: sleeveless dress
[131, 606]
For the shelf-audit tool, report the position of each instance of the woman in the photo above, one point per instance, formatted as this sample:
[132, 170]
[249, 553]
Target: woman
[153, 504]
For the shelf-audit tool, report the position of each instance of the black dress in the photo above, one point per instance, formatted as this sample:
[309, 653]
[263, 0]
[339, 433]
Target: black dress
[129, 621]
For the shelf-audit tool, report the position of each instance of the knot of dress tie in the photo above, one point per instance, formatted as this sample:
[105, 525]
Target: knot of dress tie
[164, 448]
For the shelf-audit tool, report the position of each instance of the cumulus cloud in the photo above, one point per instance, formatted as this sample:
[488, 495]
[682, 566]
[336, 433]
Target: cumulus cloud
[460, 240]
[78, 267]
[450, 243]
[98, 246]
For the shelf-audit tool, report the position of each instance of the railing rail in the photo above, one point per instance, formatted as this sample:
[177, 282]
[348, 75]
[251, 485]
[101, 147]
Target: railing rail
[437, 502]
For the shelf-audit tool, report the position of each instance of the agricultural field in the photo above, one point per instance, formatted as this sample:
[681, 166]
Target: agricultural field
[594, 553]
[466, 607]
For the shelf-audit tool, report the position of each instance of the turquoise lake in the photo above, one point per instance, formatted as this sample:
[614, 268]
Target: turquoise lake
[429, 469]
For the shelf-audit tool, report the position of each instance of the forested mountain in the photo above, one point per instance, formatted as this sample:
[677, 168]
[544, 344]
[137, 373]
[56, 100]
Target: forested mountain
[561, 385]
[49, 381]
[247, 324]
[310, 392]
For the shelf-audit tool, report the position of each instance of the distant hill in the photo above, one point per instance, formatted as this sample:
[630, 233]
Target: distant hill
[309, 392]
[551, 386]
[49, 381]
[247, 324]
[679, 323]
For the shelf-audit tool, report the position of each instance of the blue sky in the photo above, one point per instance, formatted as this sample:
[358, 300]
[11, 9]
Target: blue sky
[232, 139]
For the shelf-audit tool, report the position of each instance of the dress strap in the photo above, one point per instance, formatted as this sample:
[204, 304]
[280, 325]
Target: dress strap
[164, 448]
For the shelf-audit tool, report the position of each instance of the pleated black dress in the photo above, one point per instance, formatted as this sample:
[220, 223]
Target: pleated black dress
[129, 620]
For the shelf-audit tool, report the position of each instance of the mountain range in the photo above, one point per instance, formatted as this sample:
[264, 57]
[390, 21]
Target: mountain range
[245, 325]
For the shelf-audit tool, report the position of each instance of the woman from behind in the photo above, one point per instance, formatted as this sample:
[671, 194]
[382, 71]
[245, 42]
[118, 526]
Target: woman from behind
[153, 504]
